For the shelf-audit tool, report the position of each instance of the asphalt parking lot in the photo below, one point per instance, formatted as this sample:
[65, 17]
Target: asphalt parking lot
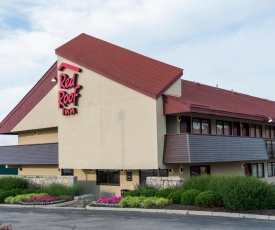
[72, 218]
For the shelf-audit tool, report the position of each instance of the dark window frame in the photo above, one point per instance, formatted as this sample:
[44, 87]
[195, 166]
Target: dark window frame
[153, 172]
[201, 124]
[272, 164]
[270, 128]
[257, 164]
[230, 125]
[66, 172]
[199, 171]
[110, 177]
[255, 130]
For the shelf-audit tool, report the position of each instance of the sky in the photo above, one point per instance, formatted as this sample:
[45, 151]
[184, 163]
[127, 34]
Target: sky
[229, 43]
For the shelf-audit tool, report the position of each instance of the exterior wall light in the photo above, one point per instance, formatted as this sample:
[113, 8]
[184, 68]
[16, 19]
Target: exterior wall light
[170, 170]
[181, 170]
[269, 119]
[122, 171]
[54, 79]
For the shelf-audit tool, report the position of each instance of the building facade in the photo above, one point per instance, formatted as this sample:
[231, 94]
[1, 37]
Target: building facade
[112, 117]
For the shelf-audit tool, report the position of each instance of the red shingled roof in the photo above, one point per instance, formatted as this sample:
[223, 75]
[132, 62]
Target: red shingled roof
[199, 98]
[143, 74]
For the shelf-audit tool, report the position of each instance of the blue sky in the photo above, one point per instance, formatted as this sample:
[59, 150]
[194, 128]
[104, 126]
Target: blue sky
[224, 42]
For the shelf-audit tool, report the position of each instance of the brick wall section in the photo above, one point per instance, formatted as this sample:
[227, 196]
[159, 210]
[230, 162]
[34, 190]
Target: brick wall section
[39, 181]
[164, 182]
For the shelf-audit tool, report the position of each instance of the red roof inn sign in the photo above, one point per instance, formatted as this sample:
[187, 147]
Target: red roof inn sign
[68, 94]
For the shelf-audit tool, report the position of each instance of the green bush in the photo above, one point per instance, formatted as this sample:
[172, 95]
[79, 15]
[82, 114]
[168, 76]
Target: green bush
[188, 196]
[5, 194]
[165, 192]
[150, 192]
[175, 197]
[30, 190]
[235, 192]
[247, 192]
[132, 193]
[23, 197]
[143, 202]
[9, 183]
[205, 199]
[61, 190]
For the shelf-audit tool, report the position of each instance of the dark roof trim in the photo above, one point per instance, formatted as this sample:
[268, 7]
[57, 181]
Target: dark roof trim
[32, 98]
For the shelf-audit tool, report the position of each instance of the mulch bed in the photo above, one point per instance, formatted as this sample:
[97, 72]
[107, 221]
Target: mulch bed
[269, 212]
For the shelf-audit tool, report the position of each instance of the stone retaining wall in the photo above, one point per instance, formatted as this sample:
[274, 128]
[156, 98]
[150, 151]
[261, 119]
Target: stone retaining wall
[164, 182]
[39, 181]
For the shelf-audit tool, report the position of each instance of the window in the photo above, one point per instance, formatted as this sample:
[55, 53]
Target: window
[201, 126]
[269, 131]
[270, 148]
[224, 128]
[255, 130]
[271, 169]
[199, 170]
[107, 177]
[151, 173]
[67, 172]
[257, 170]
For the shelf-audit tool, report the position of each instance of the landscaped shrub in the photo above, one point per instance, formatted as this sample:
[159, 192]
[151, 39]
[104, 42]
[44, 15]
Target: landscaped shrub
[247, 192]
[235, 192]
[188, 196]
[175, 197]
[165, 192]
[23, 197]
[143, 202]
[205, 199]
[61, 190]
[30, 190]
[9, 183]
[149, 192]
[202, 183]
[5, 194]
[133, 193]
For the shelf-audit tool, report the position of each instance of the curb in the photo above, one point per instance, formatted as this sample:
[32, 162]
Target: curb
[187, 212]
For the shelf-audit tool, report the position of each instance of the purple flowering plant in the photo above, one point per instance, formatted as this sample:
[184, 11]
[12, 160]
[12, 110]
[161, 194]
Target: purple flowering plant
[110, 200]
[41, 199]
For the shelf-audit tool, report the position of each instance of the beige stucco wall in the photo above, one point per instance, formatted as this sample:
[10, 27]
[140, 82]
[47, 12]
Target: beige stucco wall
[39, 170]
[115, 127]
[38, 136]
[43, 115]
[175, 89]
[88, 180]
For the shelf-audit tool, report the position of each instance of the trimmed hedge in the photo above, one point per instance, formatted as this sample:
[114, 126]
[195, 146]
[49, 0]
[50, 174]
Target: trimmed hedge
[9, 183]
[235, 192]
[165, 192]
[188, 196]
[151, 192]
[133, 193]
[205, 199]
[5, 194]
[175, 197]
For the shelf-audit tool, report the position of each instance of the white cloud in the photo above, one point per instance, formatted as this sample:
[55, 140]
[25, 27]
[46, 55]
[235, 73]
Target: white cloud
[230, 43]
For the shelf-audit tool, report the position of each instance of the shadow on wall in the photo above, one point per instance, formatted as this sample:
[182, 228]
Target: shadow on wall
[90, 187]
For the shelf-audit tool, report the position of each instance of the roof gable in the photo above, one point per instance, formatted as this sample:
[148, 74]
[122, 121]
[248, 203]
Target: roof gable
[205, 99]
[143, 74]
[32, 98]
